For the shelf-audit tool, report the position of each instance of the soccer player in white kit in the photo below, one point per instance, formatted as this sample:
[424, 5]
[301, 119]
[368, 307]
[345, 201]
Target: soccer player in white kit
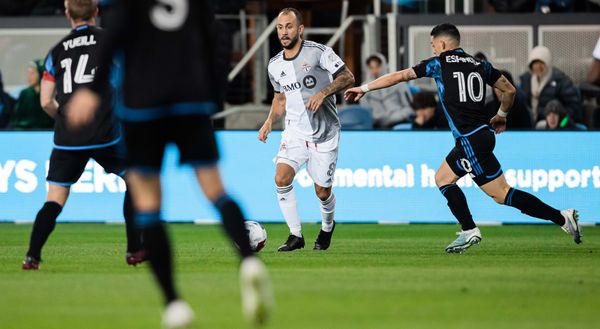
[305, 75]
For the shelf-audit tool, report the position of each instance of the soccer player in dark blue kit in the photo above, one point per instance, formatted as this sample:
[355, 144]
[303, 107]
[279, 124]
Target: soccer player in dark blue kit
[168, 94]
[461, 83]
[70, 65]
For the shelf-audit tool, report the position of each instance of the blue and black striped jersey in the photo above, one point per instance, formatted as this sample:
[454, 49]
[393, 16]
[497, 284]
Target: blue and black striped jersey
[461, 81]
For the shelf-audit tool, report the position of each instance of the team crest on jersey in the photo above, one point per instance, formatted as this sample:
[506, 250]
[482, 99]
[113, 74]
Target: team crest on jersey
[309, 81]
[306, 67]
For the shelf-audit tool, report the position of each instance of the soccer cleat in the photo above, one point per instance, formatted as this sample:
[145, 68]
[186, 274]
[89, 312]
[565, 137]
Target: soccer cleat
[572, 224]
[293, 242]
[465, 240]
[177, 314]
[324, 239]
[134, 258]
[257, 296]
[31, 263]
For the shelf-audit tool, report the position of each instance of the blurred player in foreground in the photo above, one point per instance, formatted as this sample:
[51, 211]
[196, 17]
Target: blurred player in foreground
[168, 97]
[461, 83]
[305, 75]
[69, 66]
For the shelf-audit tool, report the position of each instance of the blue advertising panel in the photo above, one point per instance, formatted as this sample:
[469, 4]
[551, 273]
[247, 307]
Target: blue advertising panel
[381, 177]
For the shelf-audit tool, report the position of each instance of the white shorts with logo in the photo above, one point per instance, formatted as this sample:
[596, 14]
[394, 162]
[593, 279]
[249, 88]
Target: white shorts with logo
[320, 159]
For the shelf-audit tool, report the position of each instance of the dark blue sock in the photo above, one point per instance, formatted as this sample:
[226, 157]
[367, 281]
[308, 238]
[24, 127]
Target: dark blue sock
[233, 223]
[457, 202]
[158, 250]
[532, 206]
[44, 224]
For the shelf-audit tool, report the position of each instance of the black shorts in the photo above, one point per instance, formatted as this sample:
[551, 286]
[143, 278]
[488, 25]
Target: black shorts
[474, 155]
[193, 135]
[66, 166]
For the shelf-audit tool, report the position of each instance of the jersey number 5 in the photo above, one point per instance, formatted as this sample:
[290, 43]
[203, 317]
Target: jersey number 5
[169, 15]
[463, 87]
[80, 76]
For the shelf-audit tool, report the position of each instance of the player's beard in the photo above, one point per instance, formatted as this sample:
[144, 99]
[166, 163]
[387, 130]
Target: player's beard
[293, 42]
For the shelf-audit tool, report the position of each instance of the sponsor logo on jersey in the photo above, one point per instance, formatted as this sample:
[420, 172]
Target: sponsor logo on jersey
[291, 87]
[282, 147]
[282, 74]
[458, 59]
[306, 67]
[309, 81]
[86, 40]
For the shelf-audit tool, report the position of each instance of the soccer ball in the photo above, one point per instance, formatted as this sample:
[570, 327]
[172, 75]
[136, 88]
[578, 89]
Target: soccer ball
[257, 235]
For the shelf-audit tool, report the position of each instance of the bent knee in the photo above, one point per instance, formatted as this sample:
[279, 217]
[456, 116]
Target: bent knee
[283, 179]
[323, 193]
[444, 179]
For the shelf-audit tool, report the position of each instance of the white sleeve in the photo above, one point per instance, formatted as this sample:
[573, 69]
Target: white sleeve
[276, 85]
[597, 50]
[331, 62]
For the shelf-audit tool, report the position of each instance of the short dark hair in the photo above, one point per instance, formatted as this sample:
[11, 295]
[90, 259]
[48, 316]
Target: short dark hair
[374, 58]
[423, 100]
[446, 29]
[297, 13]
[81, 10]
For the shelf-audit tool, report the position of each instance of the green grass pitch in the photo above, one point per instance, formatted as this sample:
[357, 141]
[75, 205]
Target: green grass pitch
[374, 276]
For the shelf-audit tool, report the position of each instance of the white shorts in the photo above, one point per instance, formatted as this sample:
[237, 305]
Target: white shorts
[320, 159]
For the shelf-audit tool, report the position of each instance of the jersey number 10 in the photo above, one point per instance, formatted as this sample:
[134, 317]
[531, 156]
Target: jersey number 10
[463, 87]
[80, 76]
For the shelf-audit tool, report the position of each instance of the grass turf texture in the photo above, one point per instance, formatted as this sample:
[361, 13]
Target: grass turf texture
[374, 276]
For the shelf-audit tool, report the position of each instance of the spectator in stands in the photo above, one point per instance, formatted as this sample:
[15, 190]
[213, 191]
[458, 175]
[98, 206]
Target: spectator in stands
[594, 74]
[428, 112]
[556, 117]
[544, 83]
[6, 105]
[389, 106]
[28, 112]
[519, 116]
[594, 79]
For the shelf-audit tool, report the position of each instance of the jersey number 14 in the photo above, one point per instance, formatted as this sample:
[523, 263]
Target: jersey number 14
[465, 87]
[80, 76]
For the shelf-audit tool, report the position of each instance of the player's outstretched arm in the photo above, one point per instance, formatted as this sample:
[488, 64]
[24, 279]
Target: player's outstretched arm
[507, 98]
[342, 80]
[385, 81]
[277, 111]
[47, 100]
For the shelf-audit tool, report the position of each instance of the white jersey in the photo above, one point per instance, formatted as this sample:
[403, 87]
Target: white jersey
[596, 53]
[300, 78]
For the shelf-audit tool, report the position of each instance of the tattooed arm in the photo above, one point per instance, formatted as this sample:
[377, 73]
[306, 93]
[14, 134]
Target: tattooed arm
[498, 122]
[342, 80]
[385, 81]
[508, 93]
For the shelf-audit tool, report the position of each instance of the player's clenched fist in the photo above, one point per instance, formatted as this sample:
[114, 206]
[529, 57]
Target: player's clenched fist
[264, 131]
[314, 103]
[354, 94]
[498, 123]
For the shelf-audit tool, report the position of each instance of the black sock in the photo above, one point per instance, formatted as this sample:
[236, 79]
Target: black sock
[134, 236]
[44, 224]
[532, 206]
[158, 248]
[457, 202]
[233, 223]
